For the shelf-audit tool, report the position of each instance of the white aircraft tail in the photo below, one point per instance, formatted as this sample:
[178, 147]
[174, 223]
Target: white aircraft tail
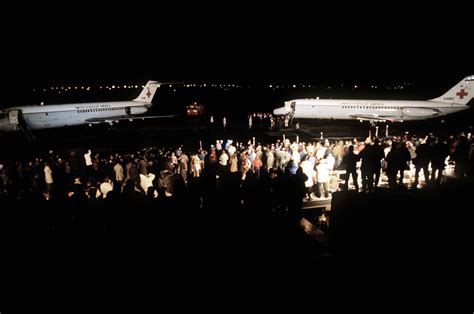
[148, 92]
[461, 93]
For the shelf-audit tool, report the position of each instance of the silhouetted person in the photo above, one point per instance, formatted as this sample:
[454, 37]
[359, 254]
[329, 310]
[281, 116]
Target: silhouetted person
[422, 161]
[349, 162]
[397, 161]
[461, 157]
[297, 190]
[439, 152]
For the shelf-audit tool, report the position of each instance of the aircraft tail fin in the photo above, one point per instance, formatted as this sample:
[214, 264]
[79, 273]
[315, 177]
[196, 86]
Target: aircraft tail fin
[461, 93]
[148, 92]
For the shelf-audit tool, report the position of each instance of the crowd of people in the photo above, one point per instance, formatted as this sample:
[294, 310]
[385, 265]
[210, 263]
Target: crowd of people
[282, 173]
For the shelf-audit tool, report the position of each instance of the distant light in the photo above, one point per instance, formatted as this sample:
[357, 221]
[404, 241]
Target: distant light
[42, 103]
[294, 86]
[355, 86]
[204, 85]
[100, 87]
[82, 87]
[88, 88]
[113, 86]
[75, 87]
[136, 86]
[125, 86]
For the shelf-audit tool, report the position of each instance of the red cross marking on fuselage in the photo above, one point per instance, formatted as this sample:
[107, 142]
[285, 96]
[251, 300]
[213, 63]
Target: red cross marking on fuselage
[461, 93]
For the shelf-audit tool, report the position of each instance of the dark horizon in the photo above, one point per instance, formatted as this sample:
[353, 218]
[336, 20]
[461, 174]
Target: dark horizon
[238, 45]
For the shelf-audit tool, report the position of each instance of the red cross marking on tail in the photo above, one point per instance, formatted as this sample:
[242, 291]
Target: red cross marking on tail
[148, 93]
[461, 93]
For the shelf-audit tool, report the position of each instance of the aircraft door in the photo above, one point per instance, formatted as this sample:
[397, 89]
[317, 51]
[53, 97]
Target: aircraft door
[14, 117]
[10, 121]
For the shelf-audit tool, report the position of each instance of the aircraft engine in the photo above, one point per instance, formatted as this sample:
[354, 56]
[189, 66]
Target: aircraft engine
[420, 112]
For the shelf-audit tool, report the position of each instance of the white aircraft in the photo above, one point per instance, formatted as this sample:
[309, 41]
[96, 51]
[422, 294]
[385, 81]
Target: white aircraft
[454, 100]
[52, 116]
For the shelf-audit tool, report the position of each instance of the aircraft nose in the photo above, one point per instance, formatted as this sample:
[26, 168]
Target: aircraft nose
[280, 111]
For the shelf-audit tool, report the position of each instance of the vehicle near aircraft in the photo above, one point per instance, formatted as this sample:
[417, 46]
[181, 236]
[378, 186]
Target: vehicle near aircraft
[195, 109]
[27, 118]
[454, 100]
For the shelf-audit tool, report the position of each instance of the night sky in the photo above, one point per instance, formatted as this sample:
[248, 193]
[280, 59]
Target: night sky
[247, 44]
[417, 246]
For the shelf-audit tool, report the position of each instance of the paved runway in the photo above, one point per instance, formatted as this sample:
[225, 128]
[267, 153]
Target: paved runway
[190, 131]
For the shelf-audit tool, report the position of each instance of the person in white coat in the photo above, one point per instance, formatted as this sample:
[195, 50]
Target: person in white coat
[146, 181]
[322, 174]
[118, 169]
[48, 177]
[308, 170]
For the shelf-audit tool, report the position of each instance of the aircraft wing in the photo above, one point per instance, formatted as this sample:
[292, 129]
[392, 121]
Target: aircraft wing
[375, 118]
[121, 118]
